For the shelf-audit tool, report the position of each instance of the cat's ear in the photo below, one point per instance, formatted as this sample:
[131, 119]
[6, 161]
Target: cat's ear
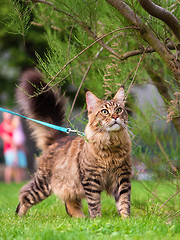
[119, 95]
[91, 100]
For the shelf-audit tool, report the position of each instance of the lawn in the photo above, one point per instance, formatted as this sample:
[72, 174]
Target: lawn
[48, 220]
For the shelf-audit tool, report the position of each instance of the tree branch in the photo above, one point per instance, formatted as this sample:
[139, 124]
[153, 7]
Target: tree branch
[126, 55]
[132, 82]
[134, 18]
[162, 14]
[84, 77]
[148, 36]
[123, 56]
[145, 33]
[83, 25]
[169, 199]
[79, 88]
[97, 40]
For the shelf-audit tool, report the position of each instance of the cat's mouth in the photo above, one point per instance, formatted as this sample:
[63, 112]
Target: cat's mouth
[114, 126]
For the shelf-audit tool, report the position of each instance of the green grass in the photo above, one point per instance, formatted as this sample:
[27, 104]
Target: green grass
[48, 220]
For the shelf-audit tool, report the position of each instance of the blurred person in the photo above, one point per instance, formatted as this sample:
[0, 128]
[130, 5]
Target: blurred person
[12, 134]
[19, 148]
[6, 133]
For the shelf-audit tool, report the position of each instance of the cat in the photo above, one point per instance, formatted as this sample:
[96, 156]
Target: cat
[73, 167]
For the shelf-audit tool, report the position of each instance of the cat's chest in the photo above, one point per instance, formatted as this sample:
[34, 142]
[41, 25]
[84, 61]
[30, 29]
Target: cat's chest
[103, 160]
[108, 161]
[108, 169]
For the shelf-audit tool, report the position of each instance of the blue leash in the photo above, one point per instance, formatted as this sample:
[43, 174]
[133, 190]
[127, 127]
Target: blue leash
[62, 129]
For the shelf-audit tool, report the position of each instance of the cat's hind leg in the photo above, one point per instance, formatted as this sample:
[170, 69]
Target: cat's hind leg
[73, 208]
[34, 192]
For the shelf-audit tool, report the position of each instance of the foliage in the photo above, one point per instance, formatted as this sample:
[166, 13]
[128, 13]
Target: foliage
[17, 46]
[72, 26]
[18, 21]
[89, 43]
[156, 145]
[48, 220]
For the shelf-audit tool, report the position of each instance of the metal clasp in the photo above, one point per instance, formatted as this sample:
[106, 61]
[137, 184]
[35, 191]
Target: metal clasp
[69, 130]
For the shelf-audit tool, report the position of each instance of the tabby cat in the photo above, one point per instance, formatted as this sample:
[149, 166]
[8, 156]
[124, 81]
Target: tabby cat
[73, 167]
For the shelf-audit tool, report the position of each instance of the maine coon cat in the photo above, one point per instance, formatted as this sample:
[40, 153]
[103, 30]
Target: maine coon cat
[73, 167]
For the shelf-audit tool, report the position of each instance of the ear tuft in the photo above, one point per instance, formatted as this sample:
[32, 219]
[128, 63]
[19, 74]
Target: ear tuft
[119, 95]
[91, 100]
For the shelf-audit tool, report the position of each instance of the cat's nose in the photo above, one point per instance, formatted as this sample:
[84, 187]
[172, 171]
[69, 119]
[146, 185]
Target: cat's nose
[115, 116]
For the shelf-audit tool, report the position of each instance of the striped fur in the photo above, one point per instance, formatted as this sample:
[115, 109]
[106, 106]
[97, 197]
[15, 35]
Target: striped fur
[40, 107]
[74, 168]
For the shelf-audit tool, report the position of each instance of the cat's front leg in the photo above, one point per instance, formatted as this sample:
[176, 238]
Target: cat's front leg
[122, 193]
[93, 195]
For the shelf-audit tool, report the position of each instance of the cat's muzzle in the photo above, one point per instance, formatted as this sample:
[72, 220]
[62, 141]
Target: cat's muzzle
[115, 125]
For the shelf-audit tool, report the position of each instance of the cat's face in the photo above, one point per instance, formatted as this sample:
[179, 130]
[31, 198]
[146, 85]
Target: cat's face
[108, 116]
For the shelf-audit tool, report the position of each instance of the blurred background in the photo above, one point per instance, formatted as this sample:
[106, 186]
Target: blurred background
[35, 34]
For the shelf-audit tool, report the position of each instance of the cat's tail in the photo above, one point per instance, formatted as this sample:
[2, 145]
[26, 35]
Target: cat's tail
[46, 106]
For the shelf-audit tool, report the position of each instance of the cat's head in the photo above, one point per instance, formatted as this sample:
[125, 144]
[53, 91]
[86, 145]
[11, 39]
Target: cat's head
[106, 115]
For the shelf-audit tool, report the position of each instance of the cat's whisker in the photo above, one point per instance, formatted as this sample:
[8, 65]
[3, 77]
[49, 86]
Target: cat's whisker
[132, 136]
[129, 126]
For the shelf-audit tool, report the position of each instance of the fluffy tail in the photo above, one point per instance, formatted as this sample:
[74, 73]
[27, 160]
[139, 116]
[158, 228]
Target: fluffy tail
[47, 107]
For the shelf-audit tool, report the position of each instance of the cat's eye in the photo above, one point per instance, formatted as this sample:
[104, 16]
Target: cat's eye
[119, 110]
[105, 111]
